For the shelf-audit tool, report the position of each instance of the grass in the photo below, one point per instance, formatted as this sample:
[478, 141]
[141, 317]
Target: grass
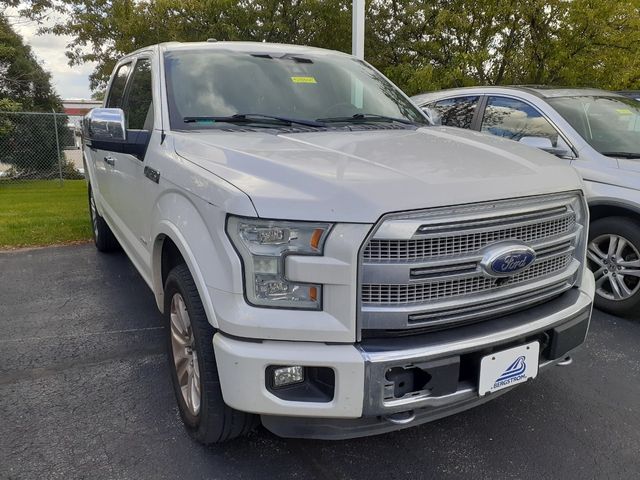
[41, 212]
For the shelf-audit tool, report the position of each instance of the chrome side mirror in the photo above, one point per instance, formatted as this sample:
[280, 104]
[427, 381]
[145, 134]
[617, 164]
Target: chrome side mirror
[542, 143]
[105, 124]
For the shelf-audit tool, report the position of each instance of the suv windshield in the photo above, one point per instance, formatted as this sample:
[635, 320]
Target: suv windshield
[611, 125]
[208, 88]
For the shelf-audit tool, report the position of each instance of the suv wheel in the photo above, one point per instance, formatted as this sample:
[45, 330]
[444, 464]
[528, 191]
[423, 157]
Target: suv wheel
[102, 235]
[193, 365]
[614, 257]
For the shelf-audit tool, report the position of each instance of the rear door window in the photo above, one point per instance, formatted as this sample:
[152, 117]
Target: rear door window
[454, 112]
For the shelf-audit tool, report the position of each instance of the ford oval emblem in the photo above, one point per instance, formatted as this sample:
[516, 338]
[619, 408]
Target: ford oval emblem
[507, 258]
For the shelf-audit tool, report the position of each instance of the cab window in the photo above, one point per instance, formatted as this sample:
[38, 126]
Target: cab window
[138, 107]
[453, 112]
[116, 92]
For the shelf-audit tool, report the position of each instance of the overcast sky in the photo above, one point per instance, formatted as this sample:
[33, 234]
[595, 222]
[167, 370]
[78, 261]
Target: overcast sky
[69, 82]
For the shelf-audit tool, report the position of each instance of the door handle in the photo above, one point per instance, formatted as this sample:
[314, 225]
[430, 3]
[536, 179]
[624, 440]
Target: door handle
[109, 160]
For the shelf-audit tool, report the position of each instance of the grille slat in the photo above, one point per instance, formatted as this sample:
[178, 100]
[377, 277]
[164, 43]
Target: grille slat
[461, 244]
[427, 292]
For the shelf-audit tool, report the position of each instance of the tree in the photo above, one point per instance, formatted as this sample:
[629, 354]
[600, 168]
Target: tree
[420, 44]
[104, 30]
[432, 44]
[23, 82]
[27, 141]
[98, 94]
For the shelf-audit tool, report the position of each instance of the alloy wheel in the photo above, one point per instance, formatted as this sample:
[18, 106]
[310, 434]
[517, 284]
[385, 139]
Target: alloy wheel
[185, 357]
[615, 262]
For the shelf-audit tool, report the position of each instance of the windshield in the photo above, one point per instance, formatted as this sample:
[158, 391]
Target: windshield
[610, 125]
[207, 88]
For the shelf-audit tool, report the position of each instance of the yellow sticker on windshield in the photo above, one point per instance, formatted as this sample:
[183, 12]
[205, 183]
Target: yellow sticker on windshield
[624, 111]
[303, 80]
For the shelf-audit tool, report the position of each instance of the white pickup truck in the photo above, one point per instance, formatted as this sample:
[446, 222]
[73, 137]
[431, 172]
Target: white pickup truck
[326, 261]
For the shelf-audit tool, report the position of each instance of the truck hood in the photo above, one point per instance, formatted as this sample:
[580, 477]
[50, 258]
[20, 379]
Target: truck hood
[345, 176]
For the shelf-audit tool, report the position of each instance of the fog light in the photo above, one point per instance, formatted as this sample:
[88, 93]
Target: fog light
[283, 376]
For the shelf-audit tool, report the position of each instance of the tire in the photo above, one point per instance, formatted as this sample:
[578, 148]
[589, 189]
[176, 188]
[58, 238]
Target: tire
[103, 237]
[205, 415]
[614, 256]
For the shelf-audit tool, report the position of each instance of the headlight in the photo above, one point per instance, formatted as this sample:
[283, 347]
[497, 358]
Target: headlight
[263, 246]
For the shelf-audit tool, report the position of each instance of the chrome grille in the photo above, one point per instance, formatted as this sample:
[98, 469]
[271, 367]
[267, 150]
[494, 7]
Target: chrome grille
[423, 269]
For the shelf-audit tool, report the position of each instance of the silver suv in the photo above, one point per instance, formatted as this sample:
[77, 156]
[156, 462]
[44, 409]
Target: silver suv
[599, 133]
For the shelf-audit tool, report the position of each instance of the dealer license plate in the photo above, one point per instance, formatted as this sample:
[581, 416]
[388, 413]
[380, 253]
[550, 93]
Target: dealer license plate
[508, 367]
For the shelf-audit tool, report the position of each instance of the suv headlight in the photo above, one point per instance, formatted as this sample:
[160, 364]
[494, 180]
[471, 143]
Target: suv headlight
[263, 246]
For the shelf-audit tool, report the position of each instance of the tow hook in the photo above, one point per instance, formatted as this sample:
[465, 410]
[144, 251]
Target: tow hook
[567, 361]
[401, 418]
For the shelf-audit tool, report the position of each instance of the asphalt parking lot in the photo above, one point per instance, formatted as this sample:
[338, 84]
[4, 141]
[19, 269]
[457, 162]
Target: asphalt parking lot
[85, 393]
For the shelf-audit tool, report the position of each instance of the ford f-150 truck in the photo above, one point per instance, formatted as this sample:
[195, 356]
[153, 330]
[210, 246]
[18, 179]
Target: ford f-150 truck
[326, 261]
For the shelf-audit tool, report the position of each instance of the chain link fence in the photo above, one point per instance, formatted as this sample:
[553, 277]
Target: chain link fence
[35, 145]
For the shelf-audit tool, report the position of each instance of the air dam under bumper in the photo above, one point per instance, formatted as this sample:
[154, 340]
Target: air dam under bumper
[361, 403]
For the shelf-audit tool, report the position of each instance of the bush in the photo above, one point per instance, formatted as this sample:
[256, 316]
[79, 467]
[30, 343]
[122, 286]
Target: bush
[69, 172]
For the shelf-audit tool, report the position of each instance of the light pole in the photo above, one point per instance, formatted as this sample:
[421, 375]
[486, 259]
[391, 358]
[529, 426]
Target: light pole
[357, 29]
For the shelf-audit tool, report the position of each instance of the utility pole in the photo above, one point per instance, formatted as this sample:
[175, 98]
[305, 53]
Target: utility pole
[357, 29]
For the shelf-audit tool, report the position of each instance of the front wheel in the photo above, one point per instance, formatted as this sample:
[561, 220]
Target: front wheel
[194, 372]
[614, 257]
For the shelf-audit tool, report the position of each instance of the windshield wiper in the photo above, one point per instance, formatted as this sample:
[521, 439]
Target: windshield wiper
[366, 117]
[621, 154]
[254, 118]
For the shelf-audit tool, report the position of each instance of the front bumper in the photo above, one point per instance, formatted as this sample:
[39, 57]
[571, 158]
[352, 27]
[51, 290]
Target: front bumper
[361, 404]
